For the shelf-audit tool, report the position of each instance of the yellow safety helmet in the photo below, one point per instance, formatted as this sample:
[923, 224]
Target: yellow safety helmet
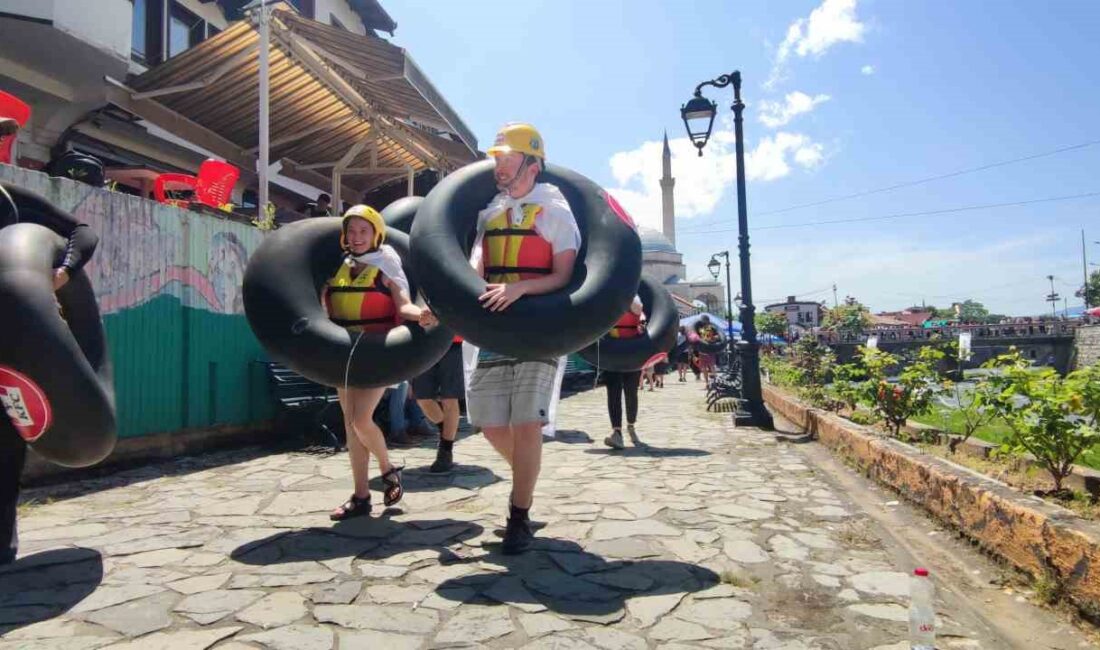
[519, 137]
[368, 214]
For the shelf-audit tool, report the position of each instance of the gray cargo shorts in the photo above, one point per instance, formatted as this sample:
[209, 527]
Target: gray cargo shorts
[517, 392]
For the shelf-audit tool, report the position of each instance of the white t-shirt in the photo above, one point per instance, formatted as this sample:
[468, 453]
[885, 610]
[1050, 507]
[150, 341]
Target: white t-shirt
[555, 223]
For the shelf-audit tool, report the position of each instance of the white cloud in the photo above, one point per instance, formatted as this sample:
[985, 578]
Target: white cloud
[834, 21]
[702, 182]
[867, 70]
[776, 114]
[771, 159]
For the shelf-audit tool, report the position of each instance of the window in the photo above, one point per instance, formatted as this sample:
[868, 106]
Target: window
[305, 7]
[137, 30]
[185, 30]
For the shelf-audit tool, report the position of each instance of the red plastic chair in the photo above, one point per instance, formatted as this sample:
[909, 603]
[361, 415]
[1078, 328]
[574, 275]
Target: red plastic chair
[213, 186]
[13, 107]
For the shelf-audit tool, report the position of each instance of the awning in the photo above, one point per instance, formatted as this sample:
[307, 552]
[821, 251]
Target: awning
[338, 102]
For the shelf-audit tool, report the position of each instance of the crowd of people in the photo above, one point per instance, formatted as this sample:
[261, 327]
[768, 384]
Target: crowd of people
[526, 244]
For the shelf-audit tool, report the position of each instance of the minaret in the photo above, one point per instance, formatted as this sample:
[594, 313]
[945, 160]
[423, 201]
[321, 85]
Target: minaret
[668, 212]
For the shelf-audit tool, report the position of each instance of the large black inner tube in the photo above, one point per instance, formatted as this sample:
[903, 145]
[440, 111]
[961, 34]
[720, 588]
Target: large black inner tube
[400, 214]
[659, 334]
[55, 373]
[282, 300]
[713, 347]
[605, 276]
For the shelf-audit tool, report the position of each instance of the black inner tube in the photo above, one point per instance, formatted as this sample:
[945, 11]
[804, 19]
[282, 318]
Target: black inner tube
[602, 287]
[712, 347]
[659, 334]
[400, 214]
[282, 300]
[65, 358]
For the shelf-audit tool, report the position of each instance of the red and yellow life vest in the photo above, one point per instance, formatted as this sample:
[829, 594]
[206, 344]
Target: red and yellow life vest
[360, 303]
[626, 327]
[512, 252]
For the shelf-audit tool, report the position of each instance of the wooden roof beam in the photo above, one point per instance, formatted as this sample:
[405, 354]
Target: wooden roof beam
[312, 61]
[121, 95]
[229, 64]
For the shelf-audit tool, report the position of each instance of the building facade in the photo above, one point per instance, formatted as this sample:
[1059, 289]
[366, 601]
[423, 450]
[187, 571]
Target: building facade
[70, 63]
[802, 315]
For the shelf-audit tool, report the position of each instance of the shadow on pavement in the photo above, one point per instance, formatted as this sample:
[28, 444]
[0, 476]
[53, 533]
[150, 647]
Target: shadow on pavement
[41, 586]
[565, 578]
[570, 437]
[355, 537]
[419, 479]
[646, 450]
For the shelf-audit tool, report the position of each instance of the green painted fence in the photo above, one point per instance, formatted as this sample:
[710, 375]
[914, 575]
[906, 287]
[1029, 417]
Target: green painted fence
[168, 282]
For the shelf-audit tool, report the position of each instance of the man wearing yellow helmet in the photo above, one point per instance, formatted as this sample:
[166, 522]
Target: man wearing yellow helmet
[368, 293]
[527, 242]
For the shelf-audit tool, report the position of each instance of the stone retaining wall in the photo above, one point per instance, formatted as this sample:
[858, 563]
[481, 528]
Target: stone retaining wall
[1087, 345]
[1032, 535]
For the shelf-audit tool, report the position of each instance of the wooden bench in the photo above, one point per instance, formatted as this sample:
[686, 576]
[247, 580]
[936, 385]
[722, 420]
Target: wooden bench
[579, 374]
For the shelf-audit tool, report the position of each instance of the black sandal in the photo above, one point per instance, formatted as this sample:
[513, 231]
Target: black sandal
[393, 486]
[353, 507]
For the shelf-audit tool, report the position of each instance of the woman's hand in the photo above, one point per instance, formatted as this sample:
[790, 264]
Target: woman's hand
[499, 297]
[60, 278]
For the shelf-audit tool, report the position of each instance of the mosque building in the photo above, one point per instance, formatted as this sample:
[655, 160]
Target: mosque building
[663, 263]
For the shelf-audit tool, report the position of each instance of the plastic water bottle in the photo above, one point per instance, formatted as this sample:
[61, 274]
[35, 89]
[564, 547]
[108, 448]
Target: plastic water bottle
[922, 614]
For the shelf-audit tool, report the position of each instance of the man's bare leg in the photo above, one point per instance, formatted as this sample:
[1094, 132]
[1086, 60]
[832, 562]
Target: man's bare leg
[526, 462]
[451, 414]
[501, 439]
[431, 410]
[445, 413]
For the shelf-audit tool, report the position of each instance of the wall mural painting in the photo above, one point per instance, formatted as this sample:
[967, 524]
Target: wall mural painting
[148, 250]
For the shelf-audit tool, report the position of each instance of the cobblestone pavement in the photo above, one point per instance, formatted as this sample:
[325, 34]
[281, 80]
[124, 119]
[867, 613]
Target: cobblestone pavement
[709, 537]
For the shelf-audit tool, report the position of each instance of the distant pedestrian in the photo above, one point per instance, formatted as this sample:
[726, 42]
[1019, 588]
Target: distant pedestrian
[322, 207]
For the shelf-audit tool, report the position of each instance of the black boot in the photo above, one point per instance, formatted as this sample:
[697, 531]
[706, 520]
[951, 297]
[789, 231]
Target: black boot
[517, 534]
[444, 457]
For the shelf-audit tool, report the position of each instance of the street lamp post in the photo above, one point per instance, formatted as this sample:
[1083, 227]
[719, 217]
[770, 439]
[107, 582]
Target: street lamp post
[714, 266]
[696, 113]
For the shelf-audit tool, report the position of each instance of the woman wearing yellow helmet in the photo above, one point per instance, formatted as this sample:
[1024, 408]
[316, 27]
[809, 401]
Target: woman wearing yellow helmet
[368, 293]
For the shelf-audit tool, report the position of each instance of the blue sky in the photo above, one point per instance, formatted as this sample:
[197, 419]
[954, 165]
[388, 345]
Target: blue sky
[843, 96]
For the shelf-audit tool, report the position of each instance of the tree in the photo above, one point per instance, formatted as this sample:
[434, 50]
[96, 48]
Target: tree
[848, 384]
[771, 323]
[852, 316]
[1091, 290]
[813, 363]
[976, 408]
[972, 311]
[915, 391]
[1048, 415]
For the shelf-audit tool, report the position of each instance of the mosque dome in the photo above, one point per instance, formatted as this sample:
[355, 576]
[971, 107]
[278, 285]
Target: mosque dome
[654, 241]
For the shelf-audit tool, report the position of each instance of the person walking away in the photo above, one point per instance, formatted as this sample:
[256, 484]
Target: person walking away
[438, 392]
[526, 244]
[368, 293]
[680, 354]
[18, 205]
[622, 385]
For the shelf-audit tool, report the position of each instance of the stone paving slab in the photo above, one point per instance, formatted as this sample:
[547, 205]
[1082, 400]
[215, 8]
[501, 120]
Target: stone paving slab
[707, 537]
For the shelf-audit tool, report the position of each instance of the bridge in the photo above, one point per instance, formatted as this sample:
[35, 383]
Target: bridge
[1046, 343]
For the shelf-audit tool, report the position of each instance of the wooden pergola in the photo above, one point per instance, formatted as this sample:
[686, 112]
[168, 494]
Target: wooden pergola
[329, 107]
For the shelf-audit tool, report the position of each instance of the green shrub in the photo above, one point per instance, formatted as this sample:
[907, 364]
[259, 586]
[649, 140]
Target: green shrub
[913, 394]
[1051, 417]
